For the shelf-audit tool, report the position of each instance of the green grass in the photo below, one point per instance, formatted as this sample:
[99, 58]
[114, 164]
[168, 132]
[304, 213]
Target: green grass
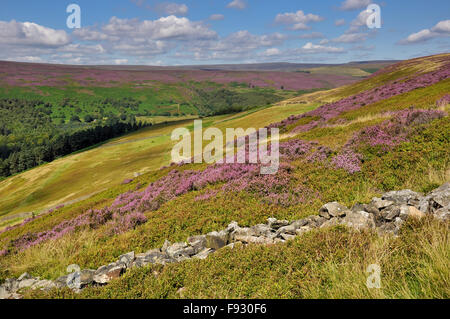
[320, 264]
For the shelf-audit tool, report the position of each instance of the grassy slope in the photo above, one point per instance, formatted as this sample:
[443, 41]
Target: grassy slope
[321, 264]
[97, 169]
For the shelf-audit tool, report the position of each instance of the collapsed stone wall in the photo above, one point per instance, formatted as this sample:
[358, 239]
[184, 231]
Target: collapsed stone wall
[385, 215]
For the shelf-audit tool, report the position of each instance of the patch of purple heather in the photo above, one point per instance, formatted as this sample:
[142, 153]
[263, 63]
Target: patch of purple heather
[333, 110]
[443, 101]
[395, 130]
[348, 160]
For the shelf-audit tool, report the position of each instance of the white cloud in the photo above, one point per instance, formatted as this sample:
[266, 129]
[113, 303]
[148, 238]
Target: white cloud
[355, 4]
[312, 35]
[317, 48]
[164, 28]
[351, 38]
[171, 8]
[339, 22]
[31, 34]
[298, 20]
[271, 52]
[441, 29]
[216, 17]
[237, 4]
[120, 61]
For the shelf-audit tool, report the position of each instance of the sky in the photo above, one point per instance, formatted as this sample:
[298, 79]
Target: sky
[150, 32]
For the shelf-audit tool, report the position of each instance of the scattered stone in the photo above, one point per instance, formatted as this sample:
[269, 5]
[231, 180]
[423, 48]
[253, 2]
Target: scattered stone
[333, 209]
[332, 222]
[287, 237]
[127, 258]
[405, 196]
[24, 276]
[254, 240]
[197, 242]
[290, 229]
[275, 224]
[107, 273]
[391, 213]
[386, 215]
[380, 203]
[359, 220]
[217, 240]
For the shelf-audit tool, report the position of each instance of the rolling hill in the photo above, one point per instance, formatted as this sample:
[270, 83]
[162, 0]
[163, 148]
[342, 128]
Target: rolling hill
[389, 131]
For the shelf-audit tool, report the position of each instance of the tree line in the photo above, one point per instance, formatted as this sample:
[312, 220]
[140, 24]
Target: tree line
[28, 136]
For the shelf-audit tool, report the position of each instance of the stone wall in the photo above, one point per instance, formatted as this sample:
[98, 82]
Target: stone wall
[385, 215]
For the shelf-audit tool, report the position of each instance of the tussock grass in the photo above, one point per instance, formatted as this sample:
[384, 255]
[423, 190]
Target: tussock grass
[320, 264]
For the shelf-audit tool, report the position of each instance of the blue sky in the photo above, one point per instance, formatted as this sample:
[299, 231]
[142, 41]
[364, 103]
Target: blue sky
[221, 31]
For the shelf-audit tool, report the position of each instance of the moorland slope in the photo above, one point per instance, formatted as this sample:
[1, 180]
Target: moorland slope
[350, 144]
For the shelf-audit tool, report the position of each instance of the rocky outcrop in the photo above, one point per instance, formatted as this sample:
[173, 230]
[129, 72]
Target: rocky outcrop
[385, 215]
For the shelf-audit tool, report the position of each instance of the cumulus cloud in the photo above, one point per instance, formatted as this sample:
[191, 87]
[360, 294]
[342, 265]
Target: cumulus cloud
[441, 29]
[271, 52]
[297, 20]
[164, 28]
[216, 17]
[318, 48]
[348, 5]
[171, 8]
[351, 38]
[339, 22]
[31, 34]
[237, 4]
[312, 35]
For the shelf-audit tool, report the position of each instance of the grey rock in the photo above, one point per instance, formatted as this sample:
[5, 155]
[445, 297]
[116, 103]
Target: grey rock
[166, 245]
[44, 285]
[24, 276]
[315, 221]
[105, 274]
[358, 208]
[275, 224]
[176, 249]
[217, 240]
[380, 203]
[333, 209]
[260, 230]
[27, 283]
[233, 226]
[391, 212]
[371, 208]
[359, 220]
[61, 282]
[405, 196]
[398, 222]
[287, 237]
[4, 293]
[300, 223]
[127, 258]
[290, 229]
[332, 222]
[442, 214]
[197, 242]
[254, 240]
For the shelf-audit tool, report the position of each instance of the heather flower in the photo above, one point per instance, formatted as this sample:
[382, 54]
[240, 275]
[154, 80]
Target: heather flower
[348, 160]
